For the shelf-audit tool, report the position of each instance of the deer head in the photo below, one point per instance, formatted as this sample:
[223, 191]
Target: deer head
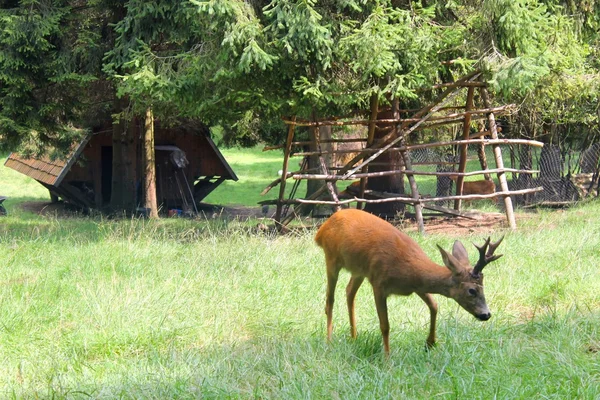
[467, 290]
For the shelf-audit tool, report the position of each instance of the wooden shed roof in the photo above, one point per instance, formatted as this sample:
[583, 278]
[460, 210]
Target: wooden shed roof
[45, 170]
[52, 172]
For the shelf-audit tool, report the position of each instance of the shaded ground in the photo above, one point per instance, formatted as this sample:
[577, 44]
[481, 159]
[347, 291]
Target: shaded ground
[480, 222]
[48, 208]
[61, 209]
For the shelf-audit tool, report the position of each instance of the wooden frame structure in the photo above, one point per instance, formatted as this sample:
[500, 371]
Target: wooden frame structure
[434, 115]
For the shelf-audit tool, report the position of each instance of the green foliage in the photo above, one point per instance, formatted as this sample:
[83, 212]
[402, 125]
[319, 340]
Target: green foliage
[396, 48]
[232, 62]
[148, 59]
[301, 32]
[539, 54]
[312, 52]
[48, 57]
[533, 44]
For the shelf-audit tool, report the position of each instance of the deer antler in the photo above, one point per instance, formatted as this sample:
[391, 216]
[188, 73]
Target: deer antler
[486, 254]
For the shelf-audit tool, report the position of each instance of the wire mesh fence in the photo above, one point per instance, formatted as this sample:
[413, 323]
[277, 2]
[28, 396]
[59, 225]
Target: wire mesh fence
[567, 175]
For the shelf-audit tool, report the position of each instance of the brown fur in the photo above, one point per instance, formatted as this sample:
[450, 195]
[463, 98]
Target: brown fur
[478, 187]
[369, 247]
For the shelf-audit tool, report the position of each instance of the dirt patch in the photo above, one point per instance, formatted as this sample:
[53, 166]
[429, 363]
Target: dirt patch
[235, 212]
[477, 223]
[50, 209]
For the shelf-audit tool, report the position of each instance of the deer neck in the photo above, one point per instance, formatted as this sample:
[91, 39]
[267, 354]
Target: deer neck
[436, 279]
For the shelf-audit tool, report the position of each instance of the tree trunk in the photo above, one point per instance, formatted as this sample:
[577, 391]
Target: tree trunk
[313, 163]
[150, 165]
[388, 161]
[123, 192]
[123, 180]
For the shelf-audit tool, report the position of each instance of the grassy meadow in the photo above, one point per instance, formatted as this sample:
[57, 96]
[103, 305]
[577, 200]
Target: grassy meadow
[180, 308]
[255, 169]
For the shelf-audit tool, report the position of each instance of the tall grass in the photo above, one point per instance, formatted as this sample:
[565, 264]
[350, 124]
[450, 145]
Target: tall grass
[188, 309]
[135, 309]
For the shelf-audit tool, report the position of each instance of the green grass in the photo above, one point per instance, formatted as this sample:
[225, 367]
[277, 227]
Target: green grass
[255, 170]
[180, 308]
[19, 188]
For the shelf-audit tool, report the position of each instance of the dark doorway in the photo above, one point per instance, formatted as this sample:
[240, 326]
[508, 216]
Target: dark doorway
[107, 156]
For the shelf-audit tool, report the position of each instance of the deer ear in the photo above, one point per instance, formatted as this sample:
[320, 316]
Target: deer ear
[459, 251]
[450, 261]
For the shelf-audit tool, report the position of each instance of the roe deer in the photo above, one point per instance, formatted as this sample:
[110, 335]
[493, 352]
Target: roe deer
[372, 248]
[478, 187]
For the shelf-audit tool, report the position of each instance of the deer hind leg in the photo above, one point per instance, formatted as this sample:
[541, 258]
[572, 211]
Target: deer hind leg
[382, 313]
[433, 308]
[351, 290]
[332, 277]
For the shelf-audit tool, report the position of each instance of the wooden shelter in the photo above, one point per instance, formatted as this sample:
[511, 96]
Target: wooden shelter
[445, 110]
[188, 167]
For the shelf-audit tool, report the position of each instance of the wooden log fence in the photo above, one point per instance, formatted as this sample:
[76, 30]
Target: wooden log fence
[286, 156]
[399, 172]
[479, 141]
[409, 200]
[397, 130]
[458, 117]
[352, 140]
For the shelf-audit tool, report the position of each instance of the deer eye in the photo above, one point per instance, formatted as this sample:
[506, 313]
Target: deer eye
[472, 292]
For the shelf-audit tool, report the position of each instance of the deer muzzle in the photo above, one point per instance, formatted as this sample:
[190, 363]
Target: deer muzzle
[484, 316]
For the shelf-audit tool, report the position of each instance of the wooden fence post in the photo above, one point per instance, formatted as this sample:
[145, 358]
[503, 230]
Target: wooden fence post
[510, 215]
[286, 157]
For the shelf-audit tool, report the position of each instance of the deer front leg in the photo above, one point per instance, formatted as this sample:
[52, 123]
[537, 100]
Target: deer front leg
[433, 308]
[351, 290]
[384, 324]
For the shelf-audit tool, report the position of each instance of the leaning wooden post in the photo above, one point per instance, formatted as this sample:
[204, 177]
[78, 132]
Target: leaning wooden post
[286, 157]
[481, 155]
[370, 137]
[463, 148]
[324, 169]
[408, 170]
[510, 215]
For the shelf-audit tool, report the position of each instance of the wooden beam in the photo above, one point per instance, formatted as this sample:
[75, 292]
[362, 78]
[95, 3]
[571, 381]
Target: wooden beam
[286, 157]
[414, 189]
[463, 147]
[306, 143]
[510, 215]
[74, 194]
[370, 137]
[483, 141]
[410, 200]
[394, 121]
[425, 173]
